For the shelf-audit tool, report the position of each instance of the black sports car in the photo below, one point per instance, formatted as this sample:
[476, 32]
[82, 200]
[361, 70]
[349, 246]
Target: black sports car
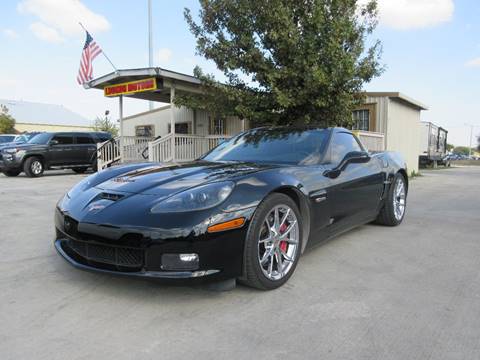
[246, 210]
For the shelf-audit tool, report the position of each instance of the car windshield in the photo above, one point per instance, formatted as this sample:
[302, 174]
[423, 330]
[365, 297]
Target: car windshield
[281, 145]
[40, 139]
[6, 138]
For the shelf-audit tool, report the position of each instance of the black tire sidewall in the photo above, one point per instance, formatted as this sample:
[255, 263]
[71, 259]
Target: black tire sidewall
[28, 167]
[253, 273]
[394, 220]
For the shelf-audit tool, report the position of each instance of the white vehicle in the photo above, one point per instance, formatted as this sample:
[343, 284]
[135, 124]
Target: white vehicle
[433, 144]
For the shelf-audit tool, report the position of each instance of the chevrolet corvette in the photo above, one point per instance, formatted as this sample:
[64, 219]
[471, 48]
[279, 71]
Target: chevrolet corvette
[246, 210]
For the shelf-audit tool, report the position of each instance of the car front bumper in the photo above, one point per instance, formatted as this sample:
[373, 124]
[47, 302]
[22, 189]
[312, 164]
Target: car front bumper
[135, 254]
[9, 162]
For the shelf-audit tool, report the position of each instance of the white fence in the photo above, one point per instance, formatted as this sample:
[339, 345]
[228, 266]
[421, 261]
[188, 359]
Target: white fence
[373, 141]
[125, 148]
[187, 147]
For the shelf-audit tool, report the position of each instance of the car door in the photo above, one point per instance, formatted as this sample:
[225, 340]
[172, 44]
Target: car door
[85, 148]
[61, 147]
[355, 193]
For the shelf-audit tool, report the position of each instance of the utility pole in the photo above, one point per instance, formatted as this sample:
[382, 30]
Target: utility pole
[470, 143]
[150, 43]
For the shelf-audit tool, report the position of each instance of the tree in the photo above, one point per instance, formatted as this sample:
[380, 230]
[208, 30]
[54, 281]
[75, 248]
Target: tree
[285, 61]
[7, 122]
[463, 150]
[105, 124]
[450, 147]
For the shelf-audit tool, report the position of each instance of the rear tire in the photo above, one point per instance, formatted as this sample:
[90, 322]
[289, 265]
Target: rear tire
[33, 167]
[284, 243]
[80, 170]
[12, 173]
[395, 206]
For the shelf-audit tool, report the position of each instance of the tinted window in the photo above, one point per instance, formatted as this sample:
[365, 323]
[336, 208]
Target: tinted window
[63, 139]
[102, 137]
[40, 138]
[6, 138]
[342, 144]
[273, 146]
[84, 139]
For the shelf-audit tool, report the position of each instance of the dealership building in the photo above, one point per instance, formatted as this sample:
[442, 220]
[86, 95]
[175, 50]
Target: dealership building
[386, 121]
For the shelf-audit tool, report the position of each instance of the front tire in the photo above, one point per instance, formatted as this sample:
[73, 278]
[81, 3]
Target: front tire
[273, 243]
[33, 167]
[12, 173]
[393, 211]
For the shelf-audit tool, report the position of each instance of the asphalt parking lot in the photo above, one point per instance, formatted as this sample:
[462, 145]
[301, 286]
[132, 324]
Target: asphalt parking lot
[410, 292]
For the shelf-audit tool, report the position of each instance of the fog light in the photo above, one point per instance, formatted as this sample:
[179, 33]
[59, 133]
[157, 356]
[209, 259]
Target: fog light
[180, 262]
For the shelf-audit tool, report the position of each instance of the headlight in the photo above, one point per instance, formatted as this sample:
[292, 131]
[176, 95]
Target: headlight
[12, 151]
[199, 198]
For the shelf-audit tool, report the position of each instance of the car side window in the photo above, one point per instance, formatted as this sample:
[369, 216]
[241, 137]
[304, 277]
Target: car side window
[85, 139]
[63, 139]
[342, 143]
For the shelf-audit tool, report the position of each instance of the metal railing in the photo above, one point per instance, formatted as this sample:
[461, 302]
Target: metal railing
[373, 141]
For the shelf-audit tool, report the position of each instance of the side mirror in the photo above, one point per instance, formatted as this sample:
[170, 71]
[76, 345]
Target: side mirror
[353, 157]
[53, 142]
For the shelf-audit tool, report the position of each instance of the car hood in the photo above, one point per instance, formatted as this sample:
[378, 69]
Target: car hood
[164, 180]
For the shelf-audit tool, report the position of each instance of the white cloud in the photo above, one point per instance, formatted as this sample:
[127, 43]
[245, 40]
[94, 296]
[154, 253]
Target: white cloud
[46, 33]
[63, 16]
[10, 33]
[414, 14]
[164, 55]
[473, 63]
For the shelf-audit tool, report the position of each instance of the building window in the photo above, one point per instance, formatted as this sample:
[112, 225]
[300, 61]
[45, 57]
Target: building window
[145, 131]
[361, 120]
[180, 128]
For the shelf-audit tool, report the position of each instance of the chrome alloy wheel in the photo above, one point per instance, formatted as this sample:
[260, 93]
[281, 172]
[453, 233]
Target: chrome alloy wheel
[36, 167]
[399, 199]
[278, 242]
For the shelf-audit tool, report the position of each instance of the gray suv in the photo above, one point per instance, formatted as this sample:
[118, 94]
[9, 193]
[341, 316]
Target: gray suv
[45, 151]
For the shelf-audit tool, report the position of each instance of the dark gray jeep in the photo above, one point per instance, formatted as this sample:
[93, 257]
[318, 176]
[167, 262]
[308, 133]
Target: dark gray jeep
[45, 151]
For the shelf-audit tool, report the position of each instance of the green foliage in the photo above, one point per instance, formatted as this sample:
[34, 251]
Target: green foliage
[450, 147]
[105, 124]
[464, 150]
[7, 123]
[286, 62]
[414, 174]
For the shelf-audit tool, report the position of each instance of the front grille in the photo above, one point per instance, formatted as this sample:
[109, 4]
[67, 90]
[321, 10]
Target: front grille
[113, 255]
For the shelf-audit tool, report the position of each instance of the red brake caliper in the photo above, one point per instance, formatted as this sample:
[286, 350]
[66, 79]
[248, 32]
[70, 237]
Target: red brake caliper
[283, 244]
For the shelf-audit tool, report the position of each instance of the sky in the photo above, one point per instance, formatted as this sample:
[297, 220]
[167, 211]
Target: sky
[431, 52]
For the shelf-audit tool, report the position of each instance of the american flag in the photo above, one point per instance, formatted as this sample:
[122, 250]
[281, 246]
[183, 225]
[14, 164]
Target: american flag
[90, 51]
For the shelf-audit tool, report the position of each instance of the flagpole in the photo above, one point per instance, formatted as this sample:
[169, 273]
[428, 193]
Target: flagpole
[103, 52]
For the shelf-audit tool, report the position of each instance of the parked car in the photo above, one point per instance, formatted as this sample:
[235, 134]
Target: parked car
[19, 139]
[246, 210]
[45, 151]
[6, 138]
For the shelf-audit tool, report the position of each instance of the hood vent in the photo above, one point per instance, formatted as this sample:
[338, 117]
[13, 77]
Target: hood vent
[111, 196]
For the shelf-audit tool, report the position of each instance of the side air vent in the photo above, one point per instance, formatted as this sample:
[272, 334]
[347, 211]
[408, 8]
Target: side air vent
[111, 196]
